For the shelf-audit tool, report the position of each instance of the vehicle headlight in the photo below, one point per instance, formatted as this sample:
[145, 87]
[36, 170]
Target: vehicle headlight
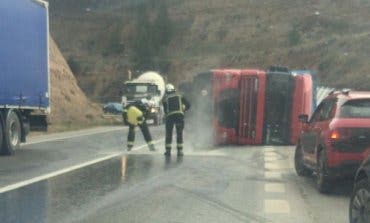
[124, 100]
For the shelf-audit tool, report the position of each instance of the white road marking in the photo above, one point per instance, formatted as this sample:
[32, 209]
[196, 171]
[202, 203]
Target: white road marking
[270, 154]
[66, 170]
[71, 135]
[274, 188]
[277, 207]
[272, 175]
[272, 166]
[271, 158]
[269, 149]
[272, 163]
[278, 165]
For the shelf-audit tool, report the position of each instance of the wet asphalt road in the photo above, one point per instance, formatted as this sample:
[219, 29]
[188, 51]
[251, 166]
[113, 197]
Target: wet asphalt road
[86, 176]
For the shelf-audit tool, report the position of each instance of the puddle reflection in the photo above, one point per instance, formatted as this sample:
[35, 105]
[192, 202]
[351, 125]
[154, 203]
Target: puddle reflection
[53, 199]
[169, 161]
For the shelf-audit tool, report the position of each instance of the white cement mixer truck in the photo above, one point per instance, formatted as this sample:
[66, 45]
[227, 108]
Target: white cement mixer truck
[149, 85]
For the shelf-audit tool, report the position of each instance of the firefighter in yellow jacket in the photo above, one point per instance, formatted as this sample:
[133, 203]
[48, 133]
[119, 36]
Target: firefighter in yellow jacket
[175, 106]
[134, 114]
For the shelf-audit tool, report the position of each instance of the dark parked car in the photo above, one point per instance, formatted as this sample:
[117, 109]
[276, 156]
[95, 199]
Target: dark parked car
[336, 139]
[113, 108]
[359, 209]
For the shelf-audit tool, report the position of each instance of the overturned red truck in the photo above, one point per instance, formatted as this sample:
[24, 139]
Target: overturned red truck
[251, 107]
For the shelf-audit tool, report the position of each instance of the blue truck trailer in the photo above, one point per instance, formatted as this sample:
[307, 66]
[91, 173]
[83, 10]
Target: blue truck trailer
[24, 70]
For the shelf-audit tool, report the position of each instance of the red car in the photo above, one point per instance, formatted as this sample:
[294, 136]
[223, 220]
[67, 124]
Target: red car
[336, 139]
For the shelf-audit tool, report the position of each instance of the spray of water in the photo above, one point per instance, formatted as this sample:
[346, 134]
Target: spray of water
[200, 118]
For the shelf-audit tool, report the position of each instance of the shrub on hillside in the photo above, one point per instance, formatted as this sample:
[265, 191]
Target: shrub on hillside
[294, 36]
[152, 38]
[74, 65]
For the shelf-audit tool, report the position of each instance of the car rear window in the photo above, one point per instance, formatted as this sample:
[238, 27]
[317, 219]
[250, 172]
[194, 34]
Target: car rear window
[356, 109]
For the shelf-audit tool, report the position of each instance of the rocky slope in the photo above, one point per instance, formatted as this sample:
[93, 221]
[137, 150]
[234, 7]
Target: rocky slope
[69, 105]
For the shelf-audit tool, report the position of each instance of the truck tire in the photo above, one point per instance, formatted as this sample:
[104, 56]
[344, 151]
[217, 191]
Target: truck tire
[12, 133]
[323, 183]
[300, 168]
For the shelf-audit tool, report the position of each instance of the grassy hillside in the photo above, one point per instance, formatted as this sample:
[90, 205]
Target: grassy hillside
[102, 39]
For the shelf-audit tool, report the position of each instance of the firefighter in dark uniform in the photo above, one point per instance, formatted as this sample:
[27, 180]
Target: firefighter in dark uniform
[134, 114]
[175, 106]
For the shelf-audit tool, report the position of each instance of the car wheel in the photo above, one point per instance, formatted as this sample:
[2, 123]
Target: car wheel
[359, 208]
[322, 181]
[12, 133]
[300, 168]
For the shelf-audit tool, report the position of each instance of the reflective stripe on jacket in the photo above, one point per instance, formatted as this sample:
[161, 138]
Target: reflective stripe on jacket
[173, 105]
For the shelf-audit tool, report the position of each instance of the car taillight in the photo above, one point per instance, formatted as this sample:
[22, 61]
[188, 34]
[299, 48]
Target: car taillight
[350, 139]
[341, 133]
[334, 134]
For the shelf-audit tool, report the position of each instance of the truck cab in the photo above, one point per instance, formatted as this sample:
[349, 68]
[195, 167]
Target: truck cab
[226, 96]
[135, 91]
[239, 104]
[150, 86]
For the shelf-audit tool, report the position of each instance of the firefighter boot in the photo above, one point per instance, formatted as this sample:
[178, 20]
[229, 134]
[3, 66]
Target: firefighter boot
[151, 147]
[168, 152]
[179, 152]
[129, 147]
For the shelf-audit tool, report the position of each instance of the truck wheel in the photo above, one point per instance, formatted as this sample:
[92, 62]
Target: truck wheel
[300, 168]
[12, 134]
[323, 184]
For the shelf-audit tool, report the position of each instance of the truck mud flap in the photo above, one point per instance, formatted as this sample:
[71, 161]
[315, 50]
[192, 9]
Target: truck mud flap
[38, 123]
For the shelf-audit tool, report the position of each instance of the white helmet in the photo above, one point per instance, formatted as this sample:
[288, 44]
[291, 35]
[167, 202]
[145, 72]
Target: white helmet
[170, 88]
